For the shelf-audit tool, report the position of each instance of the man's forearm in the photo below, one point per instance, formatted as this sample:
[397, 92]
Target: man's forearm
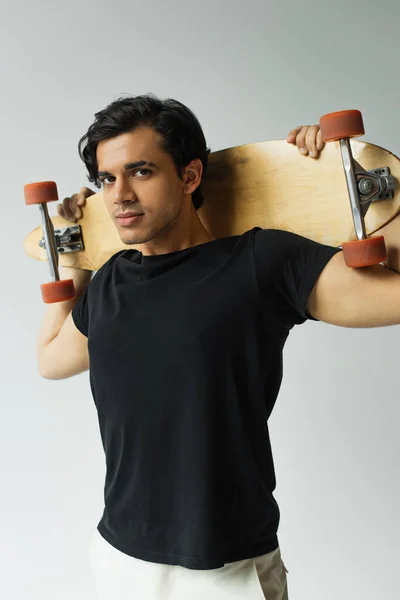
[391, 233]
[56, 313]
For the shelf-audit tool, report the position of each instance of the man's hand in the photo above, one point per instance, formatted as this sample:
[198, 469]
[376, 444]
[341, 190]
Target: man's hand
[307, 139]
[71, 208]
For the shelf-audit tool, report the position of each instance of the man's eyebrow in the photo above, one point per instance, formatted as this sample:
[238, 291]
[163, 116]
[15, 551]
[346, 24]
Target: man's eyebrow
[129, 166]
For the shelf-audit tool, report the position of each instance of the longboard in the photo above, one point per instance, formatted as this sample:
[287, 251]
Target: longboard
[266, 184]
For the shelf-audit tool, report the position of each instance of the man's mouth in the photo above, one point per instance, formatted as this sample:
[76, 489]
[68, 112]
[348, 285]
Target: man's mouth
[126, 219]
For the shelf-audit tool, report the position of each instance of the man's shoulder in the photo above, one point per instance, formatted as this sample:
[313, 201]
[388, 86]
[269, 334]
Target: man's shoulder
[106, 268]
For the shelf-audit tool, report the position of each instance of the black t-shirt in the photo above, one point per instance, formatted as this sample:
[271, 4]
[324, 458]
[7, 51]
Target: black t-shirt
[185, 357]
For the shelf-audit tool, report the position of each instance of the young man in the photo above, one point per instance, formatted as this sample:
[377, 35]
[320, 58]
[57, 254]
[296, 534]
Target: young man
[185, 340]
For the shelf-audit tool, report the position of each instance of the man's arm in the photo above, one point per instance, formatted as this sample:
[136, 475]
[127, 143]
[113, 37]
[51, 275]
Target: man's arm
[391, 233]
[365, 297]
[62, 350]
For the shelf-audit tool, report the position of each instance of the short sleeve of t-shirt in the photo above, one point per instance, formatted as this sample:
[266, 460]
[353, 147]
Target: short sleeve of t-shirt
[80, 313]
[287, 267]
[86, 305]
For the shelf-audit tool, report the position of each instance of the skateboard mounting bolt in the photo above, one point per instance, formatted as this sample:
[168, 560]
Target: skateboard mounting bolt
[365, 186]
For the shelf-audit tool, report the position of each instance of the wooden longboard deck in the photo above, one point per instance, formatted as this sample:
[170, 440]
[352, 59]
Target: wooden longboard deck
[267, 184]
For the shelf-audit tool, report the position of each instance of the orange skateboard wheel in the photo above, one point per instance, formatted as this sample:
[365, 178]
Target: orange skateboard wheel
[41, 192]
[365, 253]
[340, 125]
[58, 291]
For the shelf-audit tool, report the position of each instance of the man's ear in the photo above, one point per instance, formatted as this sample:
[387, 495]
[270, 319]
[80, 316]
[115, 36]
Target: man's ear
[192, 175]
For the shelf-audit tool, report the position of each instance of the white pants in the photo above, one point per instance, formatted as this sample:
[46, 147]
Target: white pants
[121, 577]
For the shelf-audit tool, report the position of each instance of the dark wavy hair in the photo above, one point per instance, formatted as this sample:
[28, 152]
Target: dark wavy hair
[181, 133]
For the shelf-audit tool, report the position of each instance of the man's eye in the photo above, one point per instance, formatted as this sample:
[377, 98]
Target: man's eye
[142, 171]
[111, 179]
[103, 180]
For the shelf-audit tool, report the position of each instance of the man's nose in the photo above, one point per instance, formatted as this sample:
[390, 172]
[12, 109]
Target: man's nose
[123, 192]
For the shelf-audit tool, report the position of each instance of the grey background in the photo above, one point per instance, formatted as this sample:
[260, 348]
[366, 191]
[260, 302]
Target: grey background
[250, 71]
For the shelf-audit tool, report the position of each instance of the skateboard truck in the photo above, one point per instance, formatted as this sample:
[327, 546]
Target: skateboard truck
[66, 239]
[363, 186]
[57, 290]
[374, 185]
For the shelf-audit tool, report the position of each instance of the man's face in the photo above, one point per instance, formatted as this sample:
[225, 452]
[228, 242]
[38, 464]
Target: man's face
[138, 177]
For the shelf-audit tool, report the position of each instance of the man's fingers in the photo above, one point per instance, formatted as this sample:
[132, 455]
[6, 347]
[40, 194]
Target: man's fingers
[84, 193]
[308, 140]
[72, 207]
[291, 137]
[301, 141]
[81, 199]
[320, 143]
[68, 208]
[78, 200]
[68, 205]
[311, 140]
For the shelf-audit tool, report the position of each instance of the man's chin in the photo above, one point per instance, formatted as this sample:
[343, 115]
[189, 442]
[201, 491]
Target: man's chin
[131, 239]
[134, 238]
